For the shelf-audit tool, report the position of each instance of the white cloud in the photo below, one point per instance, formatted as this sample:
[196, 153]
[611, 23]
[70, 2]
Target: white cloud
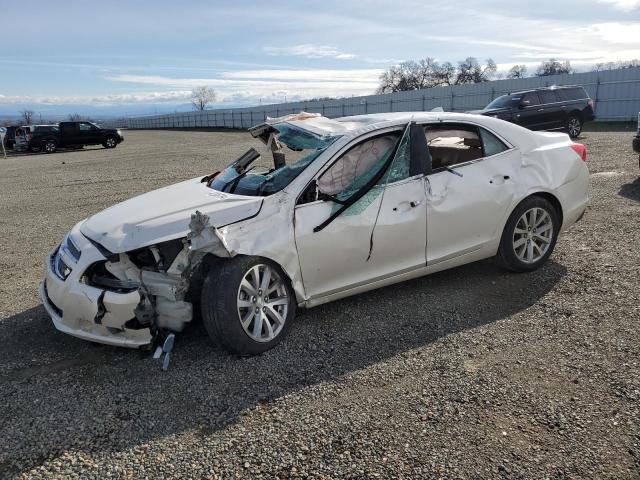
[238, 87]
[625, 33]
[624, 5]
[109, 99]
[261, 84]
[309, 50]
[305, 75]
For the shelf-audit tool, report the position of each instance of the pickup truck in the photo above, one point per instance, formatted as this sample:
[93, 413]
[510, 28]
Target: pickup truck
[68, 135]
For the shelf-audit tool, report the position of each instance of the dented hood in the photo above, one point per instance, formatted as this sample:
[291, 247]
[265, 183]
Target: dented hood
[164, 214]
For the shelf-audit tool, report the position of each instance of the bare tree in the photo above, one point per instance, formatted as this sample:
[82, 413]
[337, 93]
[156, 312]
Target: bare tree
[201, 97]
[471, 71]
[554, 67]
[517, 71]
[74, 117]
[27, 116]
[598, 67]
[411, 75]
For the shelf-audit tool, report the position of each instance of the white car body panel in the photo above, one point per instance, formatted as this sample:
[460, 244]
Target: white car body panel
[458, 206]
[164, 214]
[416, 226]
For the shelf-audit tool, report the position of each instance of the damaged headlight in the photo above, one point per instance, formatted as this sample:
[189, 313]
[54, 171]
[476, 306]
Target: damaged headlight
[97, 275]
[66, 253]
[58, 265]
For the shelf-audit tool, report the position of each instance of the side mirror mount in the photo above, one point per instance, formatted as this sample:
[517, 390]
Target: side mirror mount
[524, 103]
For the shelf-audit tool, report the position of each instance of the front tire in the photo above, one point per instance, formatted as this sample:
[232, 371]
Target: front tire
[110, 142]
[574, 126]
[530, 235]
[247, 304]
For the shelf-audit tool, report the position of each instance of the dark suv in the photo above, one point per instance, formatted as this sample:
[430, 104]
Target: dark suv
[35, 137]
[550, 108]
[49, 138]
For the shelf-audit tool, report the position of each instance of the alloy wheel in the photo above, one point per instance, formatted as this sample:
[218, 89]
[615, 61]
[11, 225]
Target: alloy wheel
[262, 303]
[574, 127]
[111, 142]
[532, 235]
[50, 147]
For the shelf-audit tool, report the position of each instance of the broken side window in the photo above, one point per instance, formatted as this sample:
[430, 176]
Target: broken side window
[451, 144]
[357, 166]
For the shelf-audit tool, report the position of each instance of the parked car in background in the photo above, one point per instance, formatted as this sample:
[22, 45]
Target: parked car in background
[35, 138]
[550, 108]
[79, 134]
[10, 136]
[366, 201]
[636, 141]
[49, 138]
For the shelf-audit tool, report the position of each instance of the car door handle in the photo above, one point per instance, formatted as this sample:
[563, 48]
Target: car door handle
[541, 109]
[499, 179]
[412, 204]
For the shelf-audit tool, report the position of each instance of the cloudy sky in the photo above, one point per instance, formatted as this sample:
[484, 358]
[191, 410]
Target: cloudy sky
[142, 57]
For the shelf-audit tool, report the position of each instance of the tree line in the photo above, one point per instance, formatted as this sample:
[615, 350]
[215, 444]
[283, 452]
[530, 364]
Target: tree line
[427, 73]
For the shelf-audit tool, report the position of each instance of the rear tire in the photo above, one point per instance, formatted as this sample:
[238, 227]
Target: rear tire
[529, 236]
[49, 146]
[247, 304]
[574, 125]
[110, 142]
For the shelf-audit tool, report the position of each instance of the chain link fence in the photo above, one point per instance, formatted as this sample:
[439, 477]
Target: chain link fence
[616, 94]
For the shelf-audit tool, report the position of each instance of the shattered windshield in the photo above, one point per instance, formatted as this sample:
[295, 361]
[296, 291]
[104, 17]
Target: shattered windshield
[293, 150]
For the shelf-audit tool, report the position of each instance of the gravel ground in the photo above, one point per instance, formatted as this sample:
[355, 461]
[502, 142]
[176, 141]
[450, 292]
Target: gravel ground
[469, 373]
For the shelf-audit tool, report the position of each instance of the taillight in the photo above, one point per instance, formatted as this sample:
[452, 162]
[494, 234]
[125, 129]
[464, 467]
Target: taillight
[581, 150]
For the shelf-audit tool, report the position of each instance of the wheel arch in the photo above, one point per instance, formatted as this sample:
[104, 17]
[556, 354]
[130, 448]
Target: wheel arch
[211, 261]
[551, 198]
[577, 113]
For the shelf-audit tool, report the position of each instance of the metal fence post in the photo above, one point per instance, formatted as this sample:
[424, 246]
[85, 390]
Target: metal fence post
[423, 104]
[597, 91]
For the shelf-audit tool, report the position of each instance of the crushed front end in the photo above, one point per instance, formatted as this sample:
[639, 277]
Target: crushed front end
[126, 299]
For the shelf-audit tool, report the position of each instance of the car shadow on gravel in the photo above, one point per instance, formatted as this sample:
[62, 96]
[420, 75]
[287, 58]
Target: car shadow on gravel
[631, 190]
[22, 153]
[60, 393]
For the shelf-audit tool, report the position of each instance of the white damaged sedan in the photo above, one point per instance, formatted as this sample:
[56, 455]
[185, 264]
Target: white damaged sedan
[346, 205]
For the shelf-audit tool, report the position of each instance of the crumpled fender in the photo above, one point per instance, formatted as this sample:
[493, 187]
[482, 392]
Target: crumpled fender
[269, 235]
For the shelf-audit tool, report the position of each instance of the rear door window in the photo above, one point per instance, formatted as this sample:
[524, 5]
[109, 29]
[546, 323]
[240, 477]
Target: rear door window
[548, 96]
[452, 144]
[567, 94]
[530, 98]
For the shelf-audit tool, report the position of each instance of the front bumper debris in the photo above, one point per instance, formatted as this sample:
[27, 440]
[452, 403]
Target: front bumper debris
[85, 311]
